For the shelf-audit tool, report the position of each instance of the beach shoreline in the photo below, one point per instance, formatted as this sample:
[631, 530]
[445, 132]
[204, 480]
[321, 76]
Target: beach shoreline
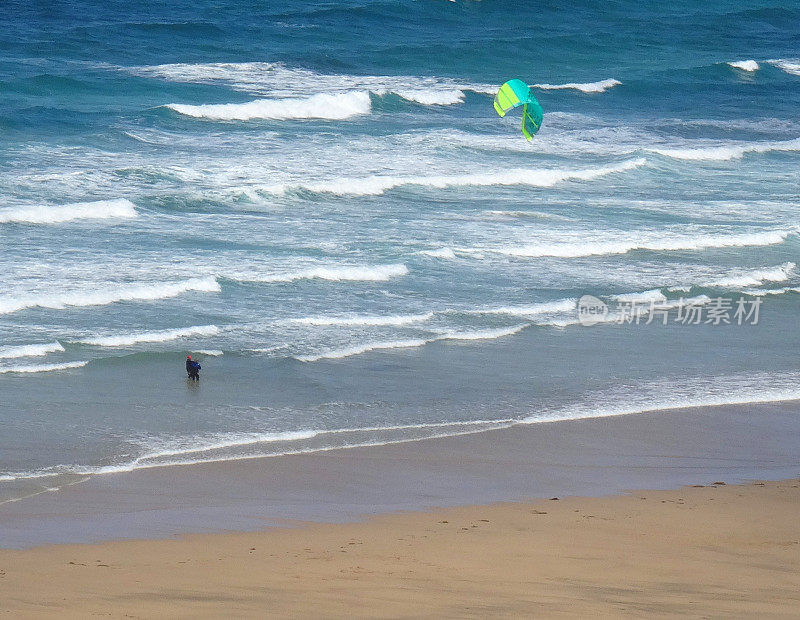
[589, 457]
[534, 519]
[713, 549]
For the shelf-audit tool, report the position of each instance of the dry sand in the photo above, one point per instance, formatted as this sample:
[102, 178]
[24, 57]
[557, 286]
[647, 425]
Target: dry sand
[712, 551]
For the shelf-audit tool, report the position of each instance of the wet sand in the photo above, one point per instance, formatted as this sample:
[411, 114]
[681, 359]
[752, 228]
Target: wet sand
[710, 551]
[658, 450]
[445, 527]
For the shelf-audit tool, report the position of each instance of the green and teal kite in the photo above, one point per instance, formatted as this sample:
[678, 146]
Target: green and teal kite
[513, 94]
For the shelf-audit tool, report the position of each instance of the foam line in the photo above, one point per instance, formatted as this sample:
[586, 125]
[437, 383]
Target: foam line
[745, 65]
[110, 295]
[377, 185]
[98, 210]
[580, 249]
[369, 320]
[321, 106]
[587, 87]
[365, 273]
[166, 335]
[34, 368]
[30, 350]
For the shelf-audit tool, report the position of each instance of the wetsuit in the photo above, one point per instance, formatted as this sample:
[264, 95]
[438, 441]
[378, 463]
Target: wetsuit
[193, 369]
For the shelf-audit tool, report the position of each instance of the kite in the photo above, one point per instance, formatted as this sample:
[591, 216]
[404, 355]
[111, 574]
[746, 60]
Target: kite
[516, 93]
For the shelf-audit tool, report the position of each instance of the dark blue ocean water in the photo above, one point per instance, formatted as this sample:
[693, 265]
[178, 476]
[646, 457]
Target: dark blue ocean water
[318, 200]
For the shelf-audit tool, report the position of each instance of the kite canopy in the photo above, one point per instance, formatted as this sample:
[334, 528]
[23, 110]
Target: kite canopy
[516, 93]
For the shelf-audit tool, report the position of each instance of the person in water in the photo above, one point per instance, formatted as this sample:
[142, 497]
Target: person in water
[192, 368]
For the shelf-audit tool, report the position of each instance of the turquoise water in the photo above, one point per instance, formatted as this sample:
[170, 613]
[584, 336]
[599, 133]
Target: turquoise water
[318, 200]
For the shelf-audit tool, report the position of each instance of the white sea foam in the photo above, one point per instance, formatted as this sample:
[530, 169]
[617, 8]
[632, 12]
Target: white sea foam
[30, 350]
[376, 185]
[642, 304]
[365, 273]
[233, 446]
[431, 96]
[209, 352]
[439, 253]
[587, 87]
[33, 368]
[757, 277]
[745, 65]
[390, 320]
[789, 65]
[727, 152]
[771, 291]
[654, 296]
[532, 214]
[364, 348]
[577, 249]
[277, 81]
[324, 106]
[195, 445]
[483, 334]
[109, 294]
[56, 214]
[125, 340]
[679, 394]
[272, 349]
[531, 310]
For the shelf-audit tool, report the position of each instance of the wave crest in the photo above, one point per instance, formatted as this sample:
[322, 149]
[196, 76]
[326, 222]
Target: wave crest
[366, 273]
[745, 65]
[322, 106]
[34, 368]
[578, 249]
[781, 273]
[395, 320]
[97, 210]
[155, 336]
[587, 87]
[110, 295]
[30, 350]
[377, 185]
[728, 152]
[789, 65]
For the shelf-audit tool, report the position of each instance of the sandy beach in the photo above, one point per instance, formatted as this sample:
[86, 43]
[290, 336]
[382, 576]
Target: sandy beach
[444, 527]
[709, 551]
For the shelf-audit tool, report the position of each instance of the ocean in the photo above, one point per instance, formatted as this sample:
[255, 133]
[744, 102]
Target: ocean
[318, 201]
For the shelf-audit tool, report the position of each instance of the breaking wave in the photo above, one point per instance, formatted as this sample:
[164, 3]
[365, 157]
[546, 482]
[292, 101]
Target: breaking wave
[110, 295]
[322, 106]
[727, 152]
[745, 65]
[33, 368]
[98, 210]
[364, 348]
[377, 185]
[588, 87]
[367, 273]
[439, 253]
[758, 277]
[30, 350]
[395, 320]
[531, 310]
[790, 66]
[154, 336]
[485, 334]
[577, 249]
